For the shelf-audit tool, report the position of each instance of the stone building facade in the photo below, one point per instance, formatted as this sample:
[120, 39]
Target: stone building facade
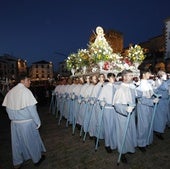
[11, 67]
[41, 71]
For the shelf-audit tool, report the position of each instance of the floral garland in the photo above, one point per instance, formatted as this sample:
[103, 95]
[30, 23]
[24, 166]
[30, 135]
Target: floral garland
[100, 52]
[136, 54]
[111, 61]
[83, 56]
[72, 61]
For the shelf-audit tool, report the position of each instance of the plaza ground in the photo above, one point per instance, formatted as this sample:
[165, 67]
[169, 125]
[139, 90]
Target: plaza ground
[67, 151]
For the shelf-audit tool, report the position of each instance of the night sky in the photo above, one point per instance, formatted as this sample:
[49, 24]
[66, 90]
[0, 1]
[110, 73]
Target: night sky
[50, 30]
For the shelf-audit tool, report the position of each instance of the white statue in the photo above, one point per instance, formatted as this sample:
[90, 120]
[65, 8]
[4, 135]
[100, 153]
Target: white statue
[100, 35]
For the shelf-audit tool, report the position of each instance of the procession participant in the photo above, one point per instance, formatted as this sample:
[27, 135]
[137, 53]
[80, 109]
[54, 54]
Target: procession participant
[95, 94]
[89, 100]
[168, 82]
[59, 90]
[98, 86]
[161, 115]
[71, 97]
[124, 101]
[66, 95]
[55, 99]
[76, 91]
[61, 104]
[145, 105]
[21, 108]
[109, 114]
[83, 99]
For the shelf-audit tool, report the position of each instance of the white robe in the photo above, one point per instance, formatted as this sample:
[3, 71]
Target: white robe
[125, 94]
[109, 116]
[25, 137]
[144, 113]
[18, 98]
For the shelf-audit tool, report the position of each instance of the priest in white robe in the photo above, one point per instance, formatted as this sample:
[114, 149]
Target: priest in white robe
[21, 108]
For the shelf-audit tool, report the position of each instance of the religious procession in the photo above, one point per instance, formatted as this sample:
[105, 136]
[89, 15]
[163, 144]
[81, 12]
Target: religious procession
[112, 100]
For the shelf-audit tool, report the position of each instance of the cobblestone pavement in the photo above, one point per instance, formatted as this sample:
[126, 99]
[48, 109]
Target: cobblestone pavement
[67, 151]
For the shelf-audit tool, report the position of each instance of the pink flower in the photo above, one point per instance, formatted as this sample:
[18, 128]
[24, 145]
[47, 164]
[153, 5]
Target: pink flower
[106, 66]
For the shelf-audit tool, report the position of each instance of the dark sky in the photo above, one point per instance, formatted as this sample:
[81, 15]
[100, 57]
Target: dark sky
[40, 29]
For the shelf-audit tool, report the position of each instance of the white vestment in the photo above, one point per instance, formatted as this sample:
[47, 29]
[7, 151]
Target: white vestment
[19, 97]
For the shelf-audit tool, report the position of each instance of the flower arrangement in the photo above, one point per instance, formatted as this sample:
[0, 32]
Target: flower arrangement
[99, 56]
[83, 56]
[126, 60]
[136, 54]
[100, 51]
[72, 61]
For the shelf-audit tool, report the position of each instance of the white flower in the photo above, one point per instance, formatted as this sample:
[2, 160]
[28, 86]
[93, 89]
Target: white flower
[126, 66]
